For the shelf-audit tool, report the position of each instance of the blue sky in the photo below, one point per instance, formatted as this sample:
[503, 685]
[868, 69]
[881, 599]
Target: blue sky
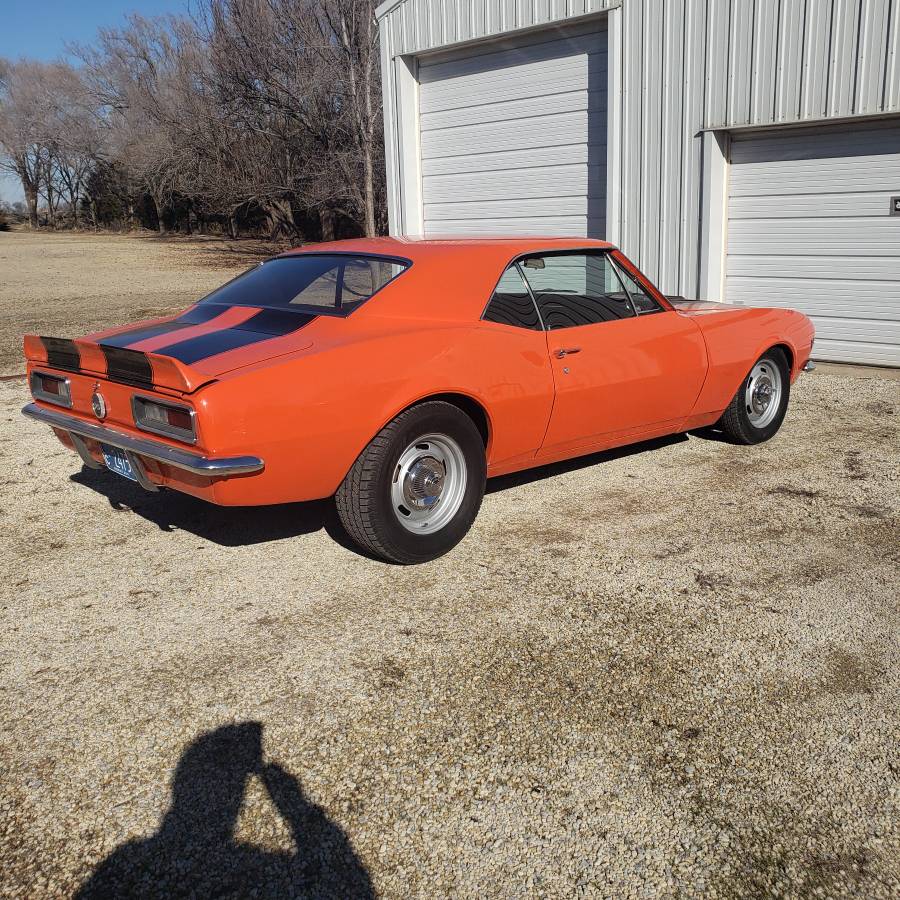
[41, 30]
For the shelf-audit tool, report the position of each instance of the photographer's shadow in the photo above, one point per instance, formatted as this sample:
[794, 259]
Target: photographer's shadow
[195, 853]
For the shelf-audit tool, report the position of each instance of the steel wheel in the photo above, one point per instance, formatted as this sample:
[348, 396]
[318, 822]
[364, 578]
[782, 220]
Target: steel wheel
[415, 490]
[429, 483]
[762, 396]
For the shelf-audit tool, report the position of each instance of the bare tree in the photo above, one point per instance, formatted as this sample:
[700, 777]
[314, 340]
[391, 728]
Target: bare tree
[24, 116]
[77, 146]
[256, 107]
[127, 73]
[307, 72]
[48, 133]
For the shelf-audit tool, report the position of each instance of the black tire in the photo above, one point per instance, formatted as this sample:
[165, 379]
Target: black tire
[364, 499]
[736, 421]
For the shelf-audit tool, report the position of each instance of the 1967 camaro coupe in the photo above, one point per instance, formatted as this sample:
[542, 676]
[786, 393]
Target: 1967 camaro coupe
[397, 375]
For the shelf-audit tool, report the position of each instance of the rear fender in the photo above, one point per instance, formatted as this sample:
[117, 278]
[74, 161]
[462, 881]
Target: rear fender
[310, 417]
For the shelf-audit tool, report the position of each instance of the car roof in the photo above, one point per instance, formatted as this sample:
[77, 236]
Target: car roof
[450, 277]
[417, 247]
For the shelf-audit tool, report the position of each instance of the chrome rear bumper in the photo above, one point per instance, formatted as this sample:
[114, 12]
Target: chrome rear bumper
[211, 466]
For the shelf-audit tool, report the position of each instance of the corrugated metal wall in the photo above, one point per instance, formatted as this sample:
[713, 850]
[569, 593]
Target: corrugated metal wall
[689, 65]
[419, 25]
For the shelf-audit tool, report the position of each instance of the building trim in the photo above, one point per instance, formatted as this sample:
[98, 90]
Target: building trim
[713, 215]
[613, 125]
[796, 124]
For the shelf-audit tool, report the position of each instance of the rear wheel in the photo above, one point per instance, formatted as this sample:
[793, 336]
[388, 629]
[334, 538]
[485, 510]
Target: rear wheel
[414, 492]
[758, 408]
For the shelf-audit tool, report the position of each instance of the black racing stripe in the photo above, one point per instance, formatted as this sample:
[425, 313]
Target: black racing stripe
[196, 316]
[267, 323]
[127, 366]
[62, 353]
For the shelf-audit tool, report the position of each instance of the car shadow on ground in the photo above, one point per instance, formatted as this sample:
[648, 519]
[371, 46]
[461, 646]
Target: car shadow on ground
[230, 526]
[194, 852]
[233, 526]
[505, 482]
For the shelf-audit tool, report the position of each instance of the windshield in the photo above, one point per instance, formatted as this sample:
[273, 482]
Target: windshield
[335, 281]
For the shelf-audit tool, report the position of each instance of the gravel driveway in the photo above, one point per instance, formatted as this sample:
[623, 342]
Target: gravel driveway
[667, 671]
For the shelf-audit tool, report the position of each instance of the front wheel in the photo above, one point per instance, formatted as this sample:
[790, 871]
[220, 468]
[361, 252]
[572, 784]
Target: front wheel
[414, 492]
[759, 406]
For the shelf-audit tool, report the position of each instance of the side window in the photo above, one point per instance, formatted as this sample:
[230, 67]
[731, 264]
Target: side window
[360, 280]
[511, 304]
[364, 276]
[642, 301]
[576, 289]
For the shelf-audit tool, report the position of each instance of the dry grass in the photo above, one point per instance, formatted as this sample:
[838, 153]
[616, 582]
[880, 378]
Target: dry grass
[72, 283]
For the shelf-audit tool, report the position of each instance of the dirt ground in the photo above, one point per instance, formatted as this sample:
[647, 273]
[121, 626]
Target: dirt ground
[668, 671]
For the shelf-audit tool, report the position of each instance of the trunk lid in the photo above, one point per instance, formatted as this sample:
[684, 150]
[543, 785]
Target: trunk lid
[178, 353]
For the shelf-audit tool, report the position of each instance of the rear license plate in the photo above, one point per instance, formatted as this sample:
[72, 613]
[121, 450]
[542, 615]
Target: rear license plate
[117, 461]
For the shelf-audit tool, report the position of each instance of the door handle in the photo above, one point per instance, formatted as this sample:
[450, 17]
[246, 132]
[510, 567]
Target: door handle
[567, 351]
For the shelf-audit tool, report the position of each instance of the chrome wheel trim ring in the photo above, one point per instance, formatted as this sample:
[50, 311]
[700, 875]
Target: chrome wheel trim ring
[429, 483]
[762, 396]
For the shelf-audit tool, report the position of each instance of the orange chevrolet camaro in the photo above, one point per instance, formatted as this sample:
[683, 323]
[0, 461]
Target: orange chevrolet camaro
[398, 374]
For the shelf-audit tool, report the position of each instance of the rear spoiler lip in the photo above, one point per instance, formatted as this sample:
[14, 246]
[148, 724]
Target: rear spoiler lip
[115, 364]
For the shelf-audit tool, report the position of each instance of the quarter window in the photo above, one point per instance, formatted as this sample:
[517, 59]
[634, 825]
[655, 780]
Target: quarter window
[574, 289]
[511, 303]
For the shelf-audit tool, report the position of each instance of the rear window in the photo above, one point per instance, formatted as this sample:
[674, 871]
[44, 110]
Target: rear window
[337, 282]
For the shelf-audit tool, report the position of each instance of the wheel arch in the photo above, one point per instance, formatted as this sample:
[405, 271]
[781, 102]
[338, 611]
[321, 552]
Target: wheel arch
[788, 351]
[473, 408]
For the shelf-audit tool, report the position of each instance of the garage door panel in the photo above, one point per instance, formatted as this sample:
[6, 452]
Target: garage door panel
[515, 110]
[785, 267]
[576, 205]
[836, 328]
[514, 140]
[814, 299]
[857, 352]
[541, 131]
[548, 225]
[826, 294]
[817, 177]
[554, 50]
[818, 144]
[523, 82]
[809, 228]
[876, 236]
[552, 181]
[534, 157]
[809, 205]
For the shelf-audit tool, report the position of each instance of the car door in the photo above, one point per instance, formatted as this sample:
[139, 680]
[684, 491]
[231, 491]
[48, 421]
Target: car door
[624, 367]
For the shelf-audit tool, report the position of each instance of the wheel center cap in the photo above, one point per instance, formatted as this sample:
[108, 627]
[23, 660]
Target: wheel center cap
[762, 395]
[424, 483]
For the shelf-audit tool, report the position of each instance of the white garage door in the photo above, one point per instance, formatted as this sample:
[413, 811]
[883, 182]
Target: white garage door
[810, 227]
[513, 141]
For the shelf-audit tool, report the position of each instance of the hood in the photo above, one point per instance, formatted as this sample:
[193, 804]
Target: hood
[179, 352]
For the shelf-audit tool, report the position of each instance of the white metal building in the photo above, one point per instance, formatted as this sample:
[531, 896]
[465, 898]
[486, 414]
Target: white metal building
[745, 150]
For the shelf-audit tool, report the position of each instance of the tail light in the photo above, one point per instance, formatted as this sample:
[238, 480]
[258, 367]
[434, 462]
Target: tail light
[169, 419]
[51, 389]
